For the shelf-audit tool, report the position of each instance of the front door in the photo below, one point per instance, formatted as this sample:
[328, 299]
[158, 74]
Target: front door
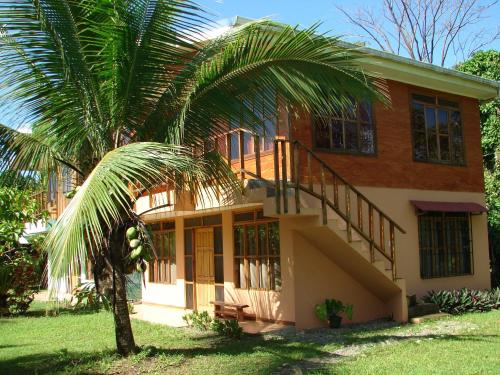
[205, 275]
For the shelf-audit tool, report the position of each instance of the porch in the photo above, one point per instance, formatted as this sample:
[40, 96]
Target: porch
[172, 317]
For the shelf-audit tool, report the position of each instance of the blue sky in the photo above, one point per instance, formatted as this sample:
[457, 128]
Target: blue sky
[307, 12]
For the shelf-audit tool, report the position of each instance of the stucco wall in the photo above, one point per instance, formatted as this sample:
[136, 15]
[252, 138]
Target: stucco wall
[396, 203]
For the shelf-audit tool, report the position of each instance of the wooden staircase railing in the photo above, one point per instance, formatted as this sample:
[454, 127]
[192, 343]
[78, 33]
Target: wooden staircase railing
[319, 180]
[41, 199]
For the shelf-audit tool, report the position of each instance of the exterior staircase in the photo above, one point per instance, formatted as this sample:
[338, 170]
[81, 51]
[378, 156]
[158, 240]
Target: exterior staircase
[344, 224]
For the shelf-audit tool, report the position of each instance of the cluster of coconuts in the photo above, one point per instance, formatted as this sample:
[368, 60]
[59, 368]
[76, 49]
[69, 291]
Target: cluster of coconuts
[139, 254]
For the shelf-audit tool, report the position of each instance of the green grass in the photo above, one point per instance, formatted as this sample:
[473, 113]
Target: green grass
[474, 349]
[84, 343]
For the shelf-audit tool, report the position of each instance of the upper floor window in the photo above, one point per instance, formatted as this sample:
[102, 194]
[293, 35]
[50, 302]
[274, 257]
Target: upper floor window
[67, 179]
[437, 130]
[266, 126]
[445, 243]
[350, 130]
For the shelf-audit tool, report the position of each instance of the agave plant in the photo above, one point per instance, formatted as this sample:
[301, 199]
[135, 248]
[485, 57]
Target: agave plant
[122, 92]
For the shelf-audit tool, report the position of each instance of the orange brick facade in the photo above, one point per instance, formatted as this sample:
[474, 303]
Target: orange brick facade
[393, 164]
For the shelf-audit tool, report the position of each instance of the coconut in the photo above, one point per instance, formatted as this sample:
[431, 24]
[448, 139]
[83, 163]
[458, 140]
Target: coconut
[140, 266]
[136, 253]
[134, 243]
[132, 233]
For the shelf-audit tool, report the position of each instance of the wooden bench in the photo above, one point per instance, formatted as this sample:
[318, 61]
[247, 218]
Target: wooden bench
[235, 309]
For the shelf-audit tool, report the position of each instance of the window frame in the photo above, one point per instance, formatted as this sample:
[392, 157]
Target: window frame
[258, 256]
[235, 131]
[336, 150]
[155, 262]
[444, 271]
[437, 106]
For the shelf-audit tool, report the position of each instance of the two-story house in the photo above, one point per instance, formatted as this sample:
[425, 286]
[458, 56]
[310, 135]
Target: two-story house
[367, 206]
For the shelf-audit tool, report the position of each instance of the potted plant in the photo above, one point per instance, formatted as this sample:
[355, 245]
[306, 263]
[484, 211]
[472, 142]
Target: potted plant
[330, 309]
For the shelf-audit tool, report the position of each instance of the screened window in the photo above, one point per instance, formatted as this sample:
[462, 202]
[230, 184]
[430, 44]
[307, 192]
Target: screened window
[437, 130]
[445, 244]
[257, 253]
[163, 268]
[351, 130]
[67, 180]
[266, 125]
[52, 191]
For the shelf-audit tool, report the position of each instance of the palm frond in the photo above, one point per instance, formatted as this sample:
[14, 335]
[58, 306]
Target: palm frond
[106, 197]
[310, 72]
[28, 154]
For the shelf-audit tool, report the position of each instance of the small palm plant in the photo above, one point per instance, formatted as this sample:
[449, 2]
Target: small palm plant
[122, 91]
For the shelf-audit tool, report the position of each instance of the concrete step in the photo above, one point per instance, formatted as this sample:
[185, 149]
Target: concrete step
[428, 318]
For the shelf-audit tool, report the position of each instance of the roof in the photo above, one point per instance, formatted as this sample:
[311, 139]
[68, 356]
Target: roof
[433, 206]
[418, 73]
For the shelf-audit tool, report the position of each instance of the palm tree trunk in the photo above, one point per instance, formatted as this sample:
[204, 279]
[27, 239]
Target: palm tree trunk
[125, 343]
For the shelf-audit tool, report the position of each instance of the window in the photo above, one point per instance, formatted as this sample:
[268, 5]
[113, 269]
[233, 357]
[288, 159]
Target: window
[52, 191]
[67, 180]
[259, 105]
[257, 252]
[163, 268]
[445, 244]
[437, 130]
[350, 131]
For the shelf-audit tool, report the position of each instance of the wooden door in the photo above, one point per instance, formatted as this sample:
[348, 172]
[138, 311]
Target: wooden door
[205, 273]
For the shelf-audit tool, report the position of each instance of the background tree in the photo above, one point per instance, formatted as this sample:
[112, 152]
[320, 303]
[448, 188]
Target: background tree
[126, 92]
[20, 264]
[427, 30]
[486, 64]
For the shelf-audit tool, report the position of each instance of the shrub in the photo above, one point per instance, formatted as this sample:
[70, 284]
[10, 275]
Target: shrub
[86, 297]
[204, 322]
[465, 300]
[227, 327]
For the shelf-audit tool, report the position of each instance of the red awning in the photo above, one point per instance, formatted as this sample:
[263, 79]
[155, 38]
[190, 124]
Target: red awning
[449, 206]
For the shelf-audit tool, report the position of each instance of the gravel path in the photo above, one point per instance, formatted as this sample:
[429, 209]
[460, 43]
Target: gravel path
[327, 336]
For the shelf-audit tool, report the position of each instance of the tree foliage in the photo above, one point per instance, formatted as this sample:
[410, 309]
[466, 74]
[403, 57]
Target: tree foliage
[486, 64]
[19, 264]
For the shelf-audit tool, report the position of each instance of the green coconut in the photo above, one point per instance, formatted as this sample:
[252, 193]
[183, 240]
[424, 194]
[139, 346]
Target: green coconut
[132, 233]
[136, 253]
[141, 266]
[134, 243]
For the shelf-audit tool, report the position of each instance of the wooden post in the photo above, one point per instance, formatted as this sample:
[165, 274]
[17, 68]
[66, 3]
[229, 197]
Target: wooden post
[277, 177]
[284, 175]
[256, 141]
[335, 191]
[228, 148]
[242, 154]
[393, 249]
[348, 211]
[309, 171]
[382, 231]
[323, 196]
[296, 176]
[371, 232]
[360, 212]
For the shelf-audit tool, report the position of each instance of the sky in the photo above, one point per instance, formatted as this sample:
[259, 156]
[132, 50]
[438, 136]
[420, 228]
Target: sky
[307, 12]
[303, 13]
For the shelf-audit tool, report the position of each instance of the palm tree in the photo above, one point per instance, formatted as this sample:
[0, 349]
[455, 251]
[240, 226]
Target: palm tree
[122, 91]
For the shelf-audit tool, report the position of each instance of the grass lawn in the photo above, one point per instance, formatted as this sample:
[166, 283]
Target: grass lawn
[84, 343]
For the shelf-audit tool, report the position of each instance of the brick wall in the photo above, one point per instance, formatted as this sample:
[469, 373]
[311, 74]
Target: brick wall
[393, 165]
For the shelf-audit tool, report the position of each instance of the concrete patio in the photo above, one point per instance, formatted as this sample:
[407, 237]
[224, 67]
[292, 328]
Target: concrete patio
[172, 316]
